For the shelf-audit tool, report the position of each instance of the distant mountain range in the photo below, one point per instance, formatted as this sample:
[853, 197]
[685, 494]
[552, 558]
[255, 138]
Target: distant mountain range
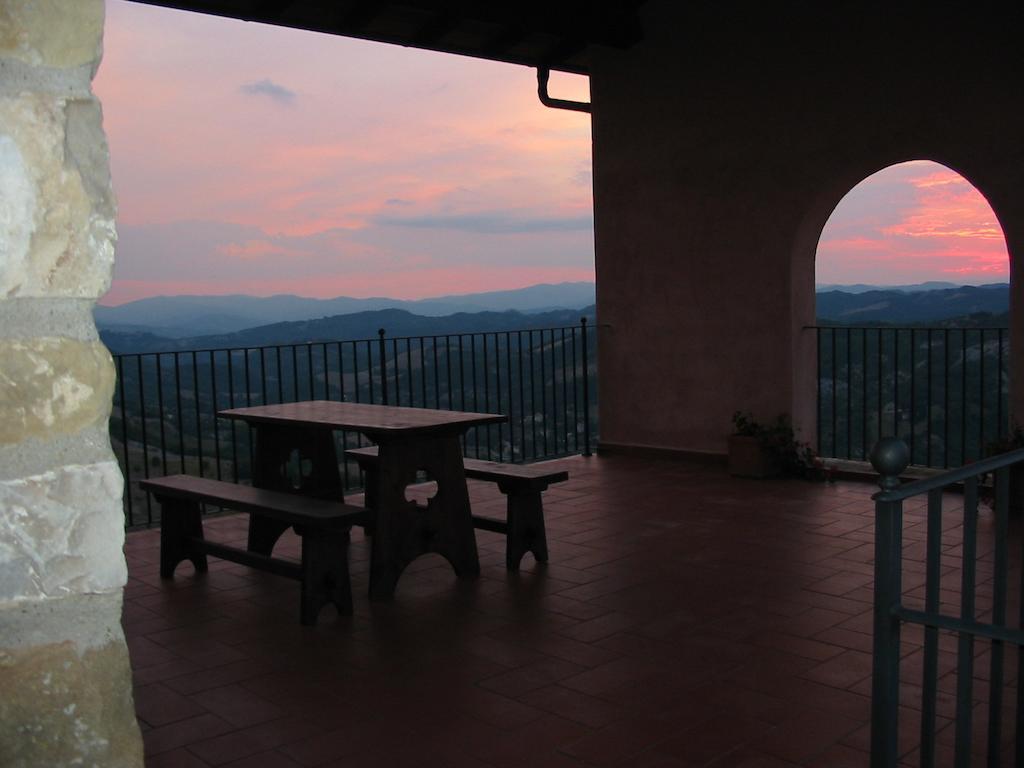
[171, 323]
[189, 316]
[895, 305]
[933, 285]
[354, 326]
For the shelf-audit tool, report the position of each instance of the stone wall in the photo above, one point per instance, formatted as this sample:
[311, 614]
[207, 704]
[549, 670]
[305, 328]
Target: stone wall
[64, 669]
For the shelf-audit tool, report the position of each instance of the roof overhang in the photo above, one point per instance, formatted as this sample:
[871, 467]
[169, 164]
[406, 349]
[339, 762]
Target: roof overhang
[558, 34]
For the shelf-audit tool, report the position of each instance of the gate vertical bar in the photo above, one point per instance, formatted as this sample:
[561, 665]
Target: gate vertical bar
[886, 644]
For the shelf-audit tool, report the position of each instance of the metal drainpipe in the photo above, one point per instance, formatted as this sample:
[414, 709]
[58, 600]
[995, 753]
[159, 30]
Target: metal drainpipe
[543, 73]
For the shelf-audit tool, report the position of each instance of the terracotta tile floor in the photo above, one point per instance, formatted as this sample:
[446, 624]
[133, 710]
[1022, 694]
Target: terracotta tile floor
[686, 619]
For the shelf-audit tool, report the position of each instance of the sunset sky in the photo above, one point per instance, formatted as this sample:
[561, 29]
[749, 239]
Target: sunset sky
[254, 159]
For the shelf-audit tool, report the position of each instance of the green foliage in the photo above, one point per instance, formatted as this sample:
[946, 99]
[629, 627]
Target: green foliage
[778, 438]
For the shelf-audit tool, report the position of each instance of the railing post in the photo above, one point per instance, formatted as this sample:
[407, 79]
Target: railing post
[383, 366]
[890, 457]
[586, 389]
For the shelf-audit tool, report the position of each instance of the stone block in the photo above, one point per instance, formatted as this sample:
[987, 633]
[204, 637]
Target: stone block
[61, 707]
[52, 33]
[57, 229]
[53, 386]
[61, 533]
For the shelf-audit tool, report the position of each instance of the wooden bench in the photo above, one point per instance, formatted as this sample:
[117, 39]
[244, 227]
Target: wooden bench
[522, 485]
[322, 525]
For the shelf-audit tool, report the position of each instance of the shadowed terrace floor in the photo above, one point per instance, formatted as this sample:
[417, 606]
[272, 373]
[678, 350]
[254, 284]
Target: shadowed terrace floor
[686, 619]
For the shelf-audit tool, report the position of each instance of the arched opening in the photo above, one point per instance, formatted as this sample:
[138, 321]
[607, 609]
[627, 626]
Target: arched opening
[912, 318]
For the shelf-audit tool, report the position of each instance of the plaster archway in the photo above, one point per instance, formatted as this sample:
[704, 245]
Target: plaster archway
[987, 179]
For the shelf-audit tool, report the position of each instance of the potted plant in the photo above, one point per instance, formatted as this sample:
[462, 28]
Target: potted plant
[766, 450]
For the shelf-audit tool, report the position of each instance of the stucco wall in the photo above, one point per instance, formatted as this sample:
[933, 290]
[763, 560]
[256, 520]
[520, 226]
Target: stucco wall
[64, 672]
[721, 145]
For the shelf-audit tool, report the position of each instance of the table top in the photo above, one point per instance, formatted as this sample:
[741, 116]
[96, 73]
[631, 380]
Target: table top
[363, 417]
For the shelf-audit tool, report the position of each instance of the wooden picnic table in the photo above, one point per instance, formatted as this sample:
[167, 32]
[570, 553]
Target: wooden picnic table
[409, 440]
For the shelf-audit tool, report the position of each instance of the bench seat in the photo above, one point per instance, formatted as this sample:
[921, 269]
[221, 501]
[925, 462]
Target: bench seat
[322, 525]
[522, 485]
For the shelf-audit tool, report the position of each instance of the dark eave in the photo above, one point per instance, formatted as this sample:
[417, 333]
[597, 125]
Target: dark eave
[558, 34]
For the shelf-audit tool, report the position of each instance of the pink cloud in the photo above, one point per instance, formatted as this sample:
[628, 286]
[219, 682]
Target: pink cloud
[910, 223]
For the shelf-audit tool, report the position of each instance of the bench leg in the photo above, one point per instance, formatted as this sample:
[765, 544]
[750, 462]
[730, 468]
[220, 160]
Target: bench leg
[324, 575]
[525, 528]
[180, 522]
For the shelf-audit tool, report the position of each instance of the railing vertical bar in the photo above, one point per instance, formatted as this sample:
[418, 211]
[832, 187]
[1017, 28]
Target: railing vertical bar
[963, 396]
[423, 370]
[369, 372]
[928, 402]
[248, 402]
[398, 371]
[181, 415]
[232, 422]
[160, 405]
[437, 377]
[1000, 426]
[522, 399]
[264, 400]
[476, 394]
[382, 352]
[543, 395]
[565, 397]
[533, 395]
[886, 639]
[213, 414]
[295, 373]
[586, 387]
[864, 442]
[819, 416]
[309, 365]
[849, 394]
[448, 369]
[487, 392]
[511, 423]
[554, 391]
[913, 394]
[341, 398]
[576, 399]
[124, 440]
[981, 392]
[930, 673]
[145, 438]
[327, 370]
[945, 401]
[881, 397]
[462, 374]
[199, 425]
[965, 643]
[408, 371]
[835, 395]
[355, 370]
[999, 585]
[280, 375]
[896, 382]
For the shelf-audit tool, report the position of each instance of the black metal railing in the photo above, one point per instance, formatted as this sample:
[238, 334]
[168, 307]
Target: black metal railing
[944, 391]
[164, 416]
[969, 561]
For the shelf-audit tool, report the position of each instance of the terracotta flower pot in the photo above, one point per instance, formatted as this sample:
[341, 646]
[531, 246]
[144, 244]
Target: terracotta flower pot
[748, 459]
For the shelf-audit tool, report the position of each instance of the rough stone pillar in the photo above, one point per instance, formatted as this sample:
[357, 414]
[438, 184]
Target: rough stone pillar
[65, 681]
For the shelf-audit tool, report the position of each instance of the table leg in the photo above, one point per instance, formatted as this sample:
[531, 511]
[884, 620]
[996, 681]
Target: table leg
[403, 530]
[276, 449]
